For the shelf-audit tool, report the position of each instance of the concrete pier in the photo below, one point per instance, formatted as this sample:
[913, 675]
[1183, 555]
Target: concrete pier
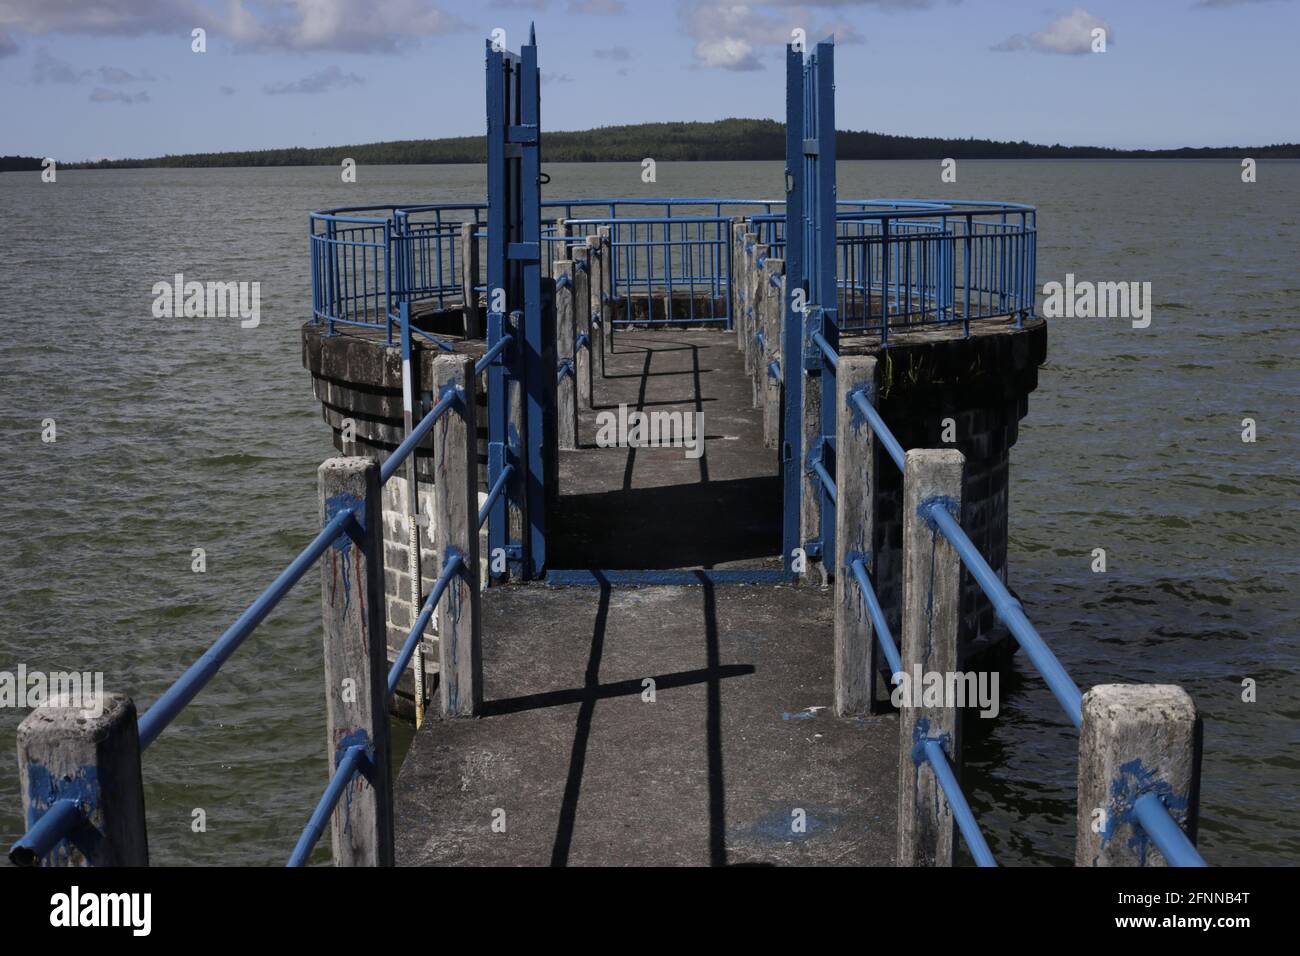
[737, 760]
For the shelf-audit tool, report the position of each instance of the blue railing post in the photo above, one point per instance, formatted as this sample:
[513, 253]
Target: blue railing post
[356, 662]
[931, 620]
[79, 773]
[1139, 777]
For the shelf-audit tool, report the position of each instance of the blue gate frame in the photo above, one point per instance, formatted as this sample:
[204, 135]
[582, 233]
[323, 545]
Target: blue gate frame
[515, 309]
[810, 266]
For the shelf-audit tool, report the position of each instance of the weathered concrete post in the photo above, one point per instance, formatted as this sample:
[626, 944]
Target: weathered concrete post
[455, 529]
[736, 280]
[516, 400]
[855, 646]
[773, 303]
[931, 617]
[810, 509]
[356, 662]
[596, 287]
[1136, 739]
[607, 309]
[469, 279]
[566, 408]
[582, 321]
[67, 753]
[752, 292]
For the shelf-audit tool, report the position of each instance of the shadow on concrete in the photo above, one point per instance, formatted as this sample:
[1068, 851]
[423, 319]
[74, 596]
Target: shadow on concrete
[629, 508]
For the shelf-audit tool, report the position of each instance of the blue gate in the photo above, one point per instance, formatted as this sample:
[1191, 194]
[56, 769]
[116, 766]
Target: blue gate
[517, 386]
[811, 291]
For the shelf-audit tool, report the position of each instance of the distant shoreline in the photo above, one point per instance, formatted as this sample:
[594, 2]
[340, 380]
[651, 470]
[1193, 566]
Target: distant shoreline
[728, 140]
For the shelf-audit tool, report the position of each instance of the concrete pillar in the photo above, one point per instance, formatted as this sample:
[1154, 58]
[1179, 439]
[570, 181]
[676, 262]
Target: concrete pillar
[773, 306]
[565, 333]
[455, 527]
[931, 615]
[582, 322]
[736, 279]
[1135, 739]
[855, 646]
[517, 439]
[752, 291]
[597, 267]
[607, 309]
[810, 508]
[66, 753]
[356, 662]
[469, 279]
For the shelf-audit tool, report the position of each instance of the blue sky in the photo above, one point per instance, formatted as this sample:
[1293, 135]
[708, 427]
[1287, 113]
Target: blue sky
[86, 79]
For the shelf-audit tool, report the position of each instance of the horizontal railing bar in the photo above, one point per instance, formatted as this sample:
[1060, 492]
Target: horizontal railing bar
[348, 768]
[827, 481]
[878, 622]
[454, 563]
[173, 701]
[56, 823]
[1165, 832]
[961, 811]
[1010, 612]
[494, 494]
[827, 349]
[502, 344]
[399, 454]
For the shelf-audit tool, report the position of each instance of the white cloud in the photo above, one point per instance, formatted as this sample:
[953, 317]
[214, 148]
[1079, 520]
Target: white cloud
[727, 53]
[733, 35]
[284, 24]
[322, 81]
[101, 95]
[1070, 34]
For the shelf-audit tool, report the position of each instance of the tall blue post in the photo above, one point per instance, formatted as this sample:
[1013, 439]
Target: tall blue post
[515, 430]
[819, 150]
[527, 251]
[796, 299]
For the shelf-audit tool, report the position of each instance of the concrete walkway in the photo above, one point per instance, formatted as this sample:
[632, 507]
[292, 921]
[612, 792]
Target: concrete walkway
[738, 758]
[739, 747]
[658, 508]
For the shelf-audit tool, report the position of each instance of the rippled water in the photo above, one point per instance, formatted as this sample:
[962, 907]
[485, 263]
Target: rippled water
[178, 434]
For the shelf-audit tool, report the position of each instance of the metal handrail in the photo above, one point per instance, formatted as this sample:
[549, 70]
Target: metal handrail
[1151, 812]
[62, 817]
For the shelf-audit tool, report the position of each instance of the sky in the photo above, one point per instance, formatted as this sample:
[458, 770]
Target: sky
[92, 79]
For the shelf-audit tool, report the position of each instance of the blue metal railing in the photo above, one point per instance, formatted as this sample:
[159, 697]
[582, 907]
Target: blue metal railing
[63, 816]
[1152, 813]
[900, 262]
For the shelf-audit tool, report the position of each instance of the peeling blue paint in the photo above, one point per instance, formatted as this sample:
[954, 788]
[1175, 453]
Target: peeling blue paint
[1136, 780]
[856, 418]
[340, 502]
[82, 787]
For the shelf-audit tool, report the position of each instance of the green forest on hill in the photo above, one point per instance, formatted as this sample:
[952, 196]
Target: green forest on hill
[722, 140]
